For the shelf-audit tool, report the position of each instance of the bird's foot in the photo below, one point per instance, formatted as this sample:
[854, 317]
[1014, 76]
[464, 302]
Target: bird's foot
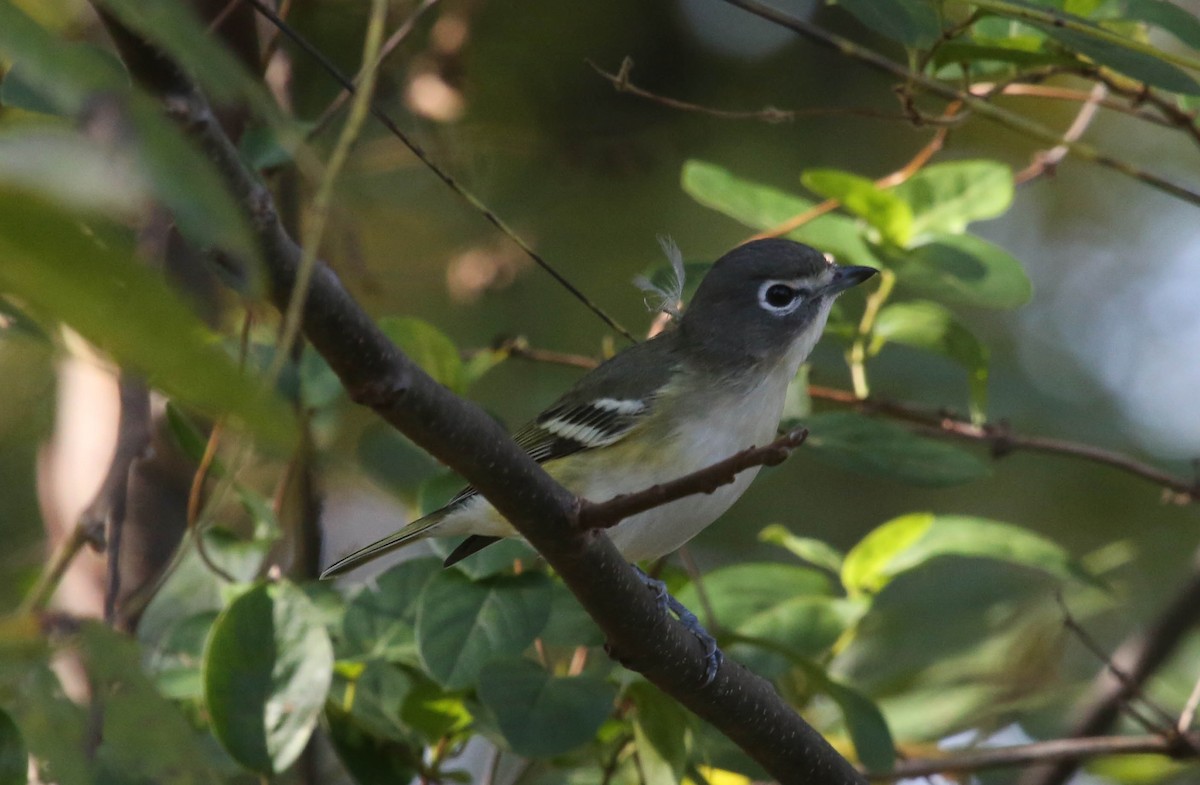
[712, 654]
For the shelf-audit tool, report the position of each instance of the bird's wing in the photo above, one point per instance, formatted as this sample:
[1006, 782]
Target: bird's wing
[602, 408]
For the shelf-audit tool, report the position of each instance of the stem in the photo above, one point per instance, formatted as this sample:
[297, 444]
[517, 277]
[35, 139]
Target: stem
[1094, 31]
[857, 357]
[47, 582]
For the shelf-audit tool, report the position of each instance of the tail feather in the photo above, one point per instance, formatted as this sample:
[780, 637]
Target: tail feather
[413, 531]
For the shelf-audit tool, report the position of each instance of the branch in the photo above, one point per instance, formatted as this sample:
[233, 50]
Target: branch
[377, 374]
[979, 106]
[606, 514]
[1003, 440]
[622, 84]
[1073, 750]
[1137, 658]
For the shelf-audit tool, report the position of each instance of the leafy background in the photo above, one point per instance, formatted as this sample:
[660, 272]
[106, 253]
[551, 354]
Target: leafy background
[899, 589]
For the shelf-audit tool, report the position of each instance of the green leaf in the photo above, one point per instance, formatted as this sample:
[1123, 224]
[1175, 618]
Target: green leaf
[804, 626]
[763, 207]
[462, 625]
[905, 543]
[866, 725]
[434, 712]
[62, 75]
[392, 460]
[59, 270]
[145, 737]
[429, 348]
[869, 446]
[931, 327]
[542, 715]
[1168, 17]
[569, 623]
[946, 197]
[913, 23]
[176, 30]
[962, 270]
[884, 210]
[741, 590]
[267, 670]
[661, 729]
[14, 758]
[1134, 64]
[371, 760]
[381, 622]
[809, 549]
[375, 699]
[497, 558]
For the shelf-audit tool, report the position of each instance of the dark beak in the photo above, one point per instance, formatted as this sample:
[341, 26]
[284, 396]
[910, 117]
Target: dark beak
[846, 276]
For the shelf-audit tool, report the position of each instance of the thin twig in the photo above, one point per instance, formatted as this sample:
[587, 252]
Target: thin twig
[621, 82]
[1046, 161]
[1040, 752]
[697, 577]
[47, 582]
[443, 175]
[1131, 689]
[606, 514]
[1189, 709]
[1011, 120]
[1056, 93]
[914, 164]
[389, 46]
[1002, 440]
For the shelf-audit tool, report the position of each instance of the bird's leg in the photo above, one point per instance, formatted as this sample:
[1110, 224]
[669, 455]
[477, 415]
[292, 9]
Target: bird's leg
[712, 655]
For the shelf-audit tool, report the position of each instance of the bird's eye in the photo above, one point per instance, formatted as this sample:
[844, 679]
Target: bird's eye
[779, 297]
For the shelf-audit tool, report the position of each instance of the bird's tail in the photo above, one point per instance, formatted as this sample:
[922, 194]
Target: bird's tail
[414, 531]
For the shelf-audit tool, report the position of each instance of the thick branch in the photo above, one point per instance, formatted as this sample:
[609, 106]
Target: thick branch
[376, 374]
[606, 514]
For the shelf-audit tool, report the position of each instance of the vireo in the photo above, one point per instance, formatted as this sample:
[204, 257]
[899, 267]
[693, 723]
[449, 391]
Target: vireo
[709, 386]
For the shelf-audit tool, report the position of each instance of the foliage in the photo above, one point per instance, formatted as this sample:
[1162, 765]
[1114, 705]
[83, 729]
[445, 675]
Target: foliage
[400, 674]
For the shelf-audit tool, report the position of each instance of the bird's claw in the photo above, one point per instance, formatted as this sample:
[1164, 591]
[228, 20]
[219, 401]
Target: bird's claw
[712, 653]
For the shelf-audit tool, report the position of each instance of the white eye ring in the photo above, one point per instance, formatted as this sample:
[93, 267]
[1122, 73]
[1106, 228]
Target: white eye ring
[780, 297]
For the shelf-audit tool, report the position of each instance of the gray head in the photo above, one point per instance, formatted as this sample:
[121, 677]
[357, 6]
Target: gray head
[767, 301]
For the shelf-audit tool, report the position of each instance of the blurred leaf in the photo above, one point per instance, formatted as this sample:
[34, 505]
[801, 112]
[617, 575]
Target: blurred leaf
[884, 210]
[913, 23]
[963, 270]
[763, 207]
[661, 729]
[569, 624]
[62, 75]
[371, 760]
[1134, 64]
[267, 670]
[68, 168]
[433, 711]
[905, 543]
[176, 30]
[145, 737]
[55, 729]
[174, 662]
[810, 550]
[429, 348]
[57, 269]
[479, 363]
[375, 698]
[496, 559]
[930, 326]
[542, 715]
[999, 51]
[261, 148]
[877, 447]
[14, 758]
[866, 725]
[804, 626]
[946, 197]
[1168, 17]
[739, 591]
[381, 622]
[462, 625]
[392, 460]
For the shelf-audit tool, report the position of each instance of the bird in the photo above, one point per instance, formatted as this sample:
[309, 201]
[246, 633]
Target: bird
[713, 383]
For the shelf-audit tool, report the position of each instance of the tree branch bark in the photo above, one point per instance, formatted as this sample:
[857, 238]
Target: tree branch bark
[376, 374]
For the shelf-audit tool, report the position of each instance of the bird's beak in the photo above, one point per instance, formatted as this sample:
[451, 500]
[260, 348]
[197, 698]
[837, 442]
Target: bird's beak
[846, 276]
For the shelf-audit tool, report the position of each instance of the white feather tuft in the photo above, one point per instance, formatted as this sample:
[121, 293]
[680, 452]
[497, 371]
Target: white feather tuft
[665, 299]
